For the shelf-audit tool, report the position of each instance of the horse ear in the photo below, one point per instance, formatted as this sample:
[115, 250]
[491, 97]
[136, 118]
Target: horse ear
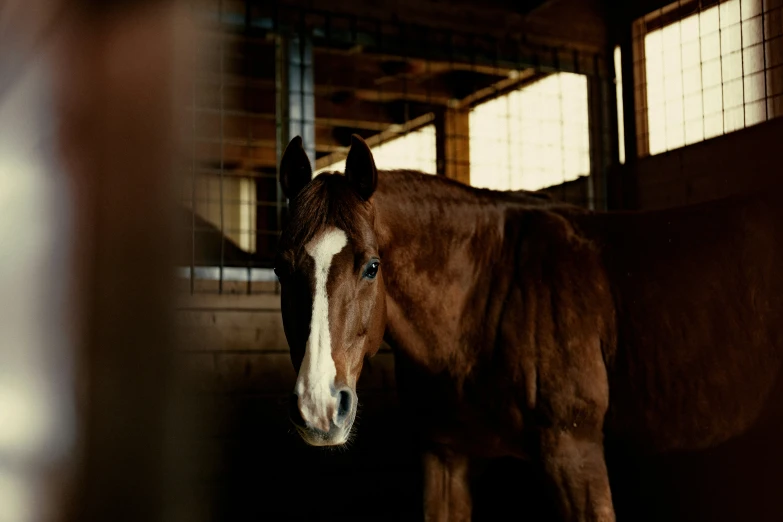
[295, 169]
[360, 168]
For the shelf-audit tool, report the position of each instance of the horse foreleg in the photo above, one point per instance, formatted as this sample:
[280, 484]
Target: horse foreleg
[446, 488]
[578, 470]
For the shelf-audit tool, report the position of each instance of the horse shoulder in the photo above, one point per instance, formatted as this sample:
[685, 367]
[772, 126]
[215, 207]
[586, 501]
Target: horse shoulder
[560, 323]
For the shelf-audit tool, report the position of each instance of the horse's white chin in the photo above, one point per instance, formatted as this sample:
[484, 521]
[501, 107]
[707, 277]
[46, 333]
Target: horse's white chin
[336, 438]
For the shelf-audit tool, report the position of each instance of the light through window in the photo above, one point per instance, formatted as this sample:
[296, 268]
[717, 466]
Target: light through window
[703, 74]
[532, 138]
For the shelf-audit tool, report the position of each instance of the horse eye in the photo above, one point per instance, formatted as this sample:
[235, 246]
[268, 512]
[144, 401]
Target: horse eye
[372, 270]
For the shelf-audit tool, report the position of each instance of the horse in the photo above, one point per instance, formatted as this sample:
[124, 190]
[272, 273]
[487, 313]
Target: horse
[525, 327]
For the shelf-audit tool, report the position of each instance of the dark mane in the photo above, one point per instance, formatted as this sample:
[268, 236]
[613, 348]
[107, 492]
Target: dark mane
[328, 200]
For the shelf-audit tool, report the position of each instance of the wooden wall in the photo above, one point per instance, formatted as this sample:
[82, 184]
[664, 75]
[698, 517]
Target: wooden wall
[738, 162]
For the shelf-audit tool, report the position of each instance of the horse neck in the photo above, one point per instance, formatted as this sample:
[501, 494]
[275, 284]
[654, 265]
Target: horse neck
[436, 241]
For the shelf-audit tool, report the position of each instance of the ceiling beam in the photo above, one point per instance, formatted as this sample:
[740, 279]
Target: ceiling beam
[252, 130]
[500, 88]
[211, 152]
[414, 78]
[243, 51]
[329, 110]
[249, 139]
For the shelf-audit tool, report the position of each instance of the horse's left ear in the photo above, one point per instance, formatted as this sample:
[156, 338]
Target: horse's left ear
[295, 169]
[360, 168]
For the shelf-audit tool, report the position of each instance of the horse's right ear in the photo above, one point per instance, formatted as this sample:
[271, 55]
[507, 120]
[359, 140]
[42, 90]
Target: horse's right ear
[360, 168]
[295, 169]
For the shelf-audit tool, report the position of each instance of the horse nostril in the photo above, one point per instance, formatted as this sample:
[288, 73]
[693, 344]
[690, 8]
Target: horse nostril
[344, 406]
[293, 411]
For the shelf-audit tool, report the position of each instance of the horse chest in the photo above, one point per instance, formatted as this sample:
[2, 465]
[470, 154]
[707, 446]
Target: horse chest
[479, 420]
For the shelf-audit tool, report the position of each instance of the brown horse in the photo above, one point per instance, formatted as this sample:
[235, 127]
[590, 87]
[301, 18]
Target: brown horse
[527, 328]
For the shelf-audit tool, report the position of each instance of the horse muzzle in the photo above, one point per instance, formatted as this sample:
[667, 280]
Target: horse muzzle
[329, 429]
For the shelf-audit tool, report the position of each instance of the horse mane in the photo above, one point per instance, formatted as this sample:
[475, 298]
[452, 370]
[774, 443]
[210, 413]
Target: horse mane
[328, 200]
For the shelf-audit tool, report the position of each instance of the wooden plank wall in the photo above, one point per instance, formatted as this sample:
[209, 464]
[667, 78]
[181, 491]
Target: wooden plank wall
[738, 162]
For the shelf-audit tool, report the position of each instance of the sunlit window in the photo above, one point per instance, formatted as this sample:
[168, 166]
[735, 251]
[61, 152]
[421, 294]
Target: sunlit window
[532, 138]
[704, 74]
[618, 85]
[229, 204]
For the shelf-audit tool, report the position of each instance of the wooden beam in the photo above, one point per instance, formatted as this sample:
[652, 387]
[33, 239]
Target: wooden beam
[421, 80]
[336, 70]
[244, 53]
[238, 127]
[240, 90]
[353, 113]
[452, 142]
[247, 156]
[513, 82]
[419, 65]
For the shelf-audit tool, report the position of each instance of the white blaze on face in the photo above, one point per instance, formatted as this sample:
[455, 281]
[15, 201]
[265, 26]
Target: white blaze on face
[315, 382]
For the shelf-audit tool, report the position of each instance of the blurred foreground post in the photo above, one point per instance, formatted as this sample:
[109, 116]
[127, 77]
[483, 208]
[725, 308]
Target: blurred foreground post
[88, 142]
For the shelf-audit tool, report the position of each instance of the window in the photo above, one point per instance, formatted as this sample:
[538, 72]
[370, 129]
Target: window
[704, 70]
[618, 86]
[229, 204]
[532, 138]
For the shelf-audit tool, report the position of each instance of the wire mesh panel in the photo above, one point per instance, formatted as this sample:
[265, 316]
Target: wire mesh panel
[704, 68]
[491, 113]
[230, 196]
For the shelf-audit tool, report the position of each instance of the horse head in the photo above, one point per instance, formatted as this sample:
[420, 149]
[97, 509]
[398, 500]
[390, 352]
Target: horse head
[332, 292]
